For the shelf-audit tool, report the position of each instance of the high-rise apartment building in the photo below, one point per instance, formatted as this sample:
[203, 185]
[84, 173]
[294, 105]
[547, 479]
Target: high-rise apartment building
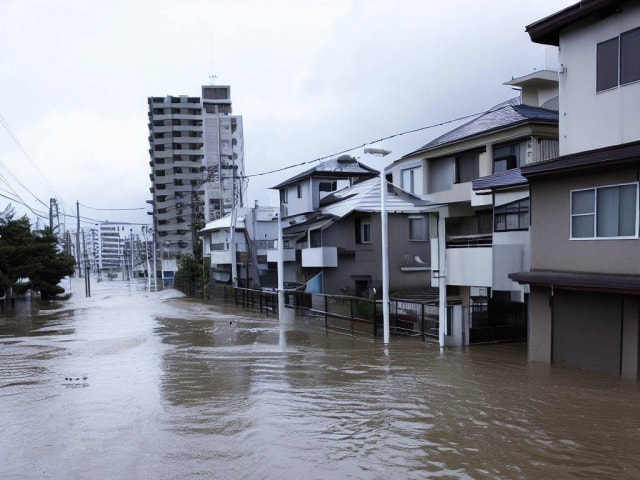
[196, 150]
[223, 153]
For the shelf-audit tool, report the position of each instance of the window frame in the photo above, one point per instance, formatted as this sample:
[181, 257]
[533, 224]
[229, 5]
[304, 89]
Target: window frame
[523, 206]
[594, 213]
[424, 237]
[623, 54]
[413, 183]
[363, 231]
[515, 155]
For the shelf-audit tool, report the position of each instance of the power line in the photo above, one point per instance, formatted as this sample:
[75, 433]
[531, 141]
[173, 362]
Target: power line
[112, 209]
[14, 137]
[406, 132]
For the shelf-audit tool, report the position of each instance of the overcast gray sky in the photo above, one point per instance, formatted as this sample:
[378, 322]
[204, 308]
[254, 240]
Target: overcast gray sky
[309, 77]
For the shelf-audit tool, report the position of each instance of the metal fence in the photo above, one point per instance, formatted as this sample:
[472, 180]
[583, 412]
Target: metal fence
[363, 316]
[246, 298]
[357, 316]
[497, 321]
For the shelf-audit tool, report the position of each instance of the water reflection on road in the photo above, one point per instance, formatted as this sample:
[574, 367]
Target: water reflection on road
[176, 389]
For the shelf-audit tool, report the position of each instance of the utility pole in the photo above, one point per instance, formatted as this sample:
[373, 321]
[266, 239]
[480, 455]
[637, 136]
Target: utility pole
[155, 267]
[131, 274]
[87, 277]
[78, 257]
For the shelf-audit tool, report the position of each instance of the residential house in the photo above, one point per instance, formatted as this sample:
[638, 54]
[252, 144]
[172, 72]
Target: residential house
[473, 246]
[585, 245]
[237, 245]
[332, 232]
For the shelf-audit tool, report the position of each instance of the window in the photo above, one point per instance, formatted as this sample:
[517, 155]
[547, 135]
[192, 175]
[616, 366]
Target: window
[363, 230]
[299, 189]
[512, 216]
[328, 186]
[418, 229]
[506, 157]
[605, 212]
[284, 195]
[467, 167]
[618, 60]
[630, 56]
[411, 180]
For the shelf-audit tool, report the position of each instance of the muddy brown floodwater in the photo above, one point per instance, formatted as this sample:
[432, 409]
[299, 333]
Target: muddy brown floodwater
[135, 385]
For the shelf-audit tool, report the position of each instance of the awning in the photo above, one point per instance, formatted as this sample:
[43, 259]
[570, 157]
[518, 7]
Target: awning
[601, 282]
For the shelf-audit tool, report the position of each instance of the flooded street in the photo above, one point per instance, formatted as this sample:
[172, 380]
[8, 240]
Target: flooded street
[135, 385]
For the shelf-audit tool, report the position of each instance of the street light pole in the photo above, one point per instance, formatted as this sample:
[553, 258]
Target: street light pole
[385, 240]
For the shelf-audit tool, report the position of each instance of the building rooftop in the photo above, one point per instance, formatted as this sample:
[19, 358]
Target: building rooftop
[501, 180]
[343, 166]
[505, 115]
[547, 30]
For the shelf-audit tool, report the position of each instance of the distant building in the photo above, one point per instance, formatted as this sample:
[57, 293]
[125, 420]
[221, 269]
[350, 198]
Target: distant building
[196, 150]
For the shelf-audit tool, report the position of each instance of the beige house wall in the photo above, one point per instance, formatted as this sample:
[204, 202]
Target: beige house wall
[551, 246]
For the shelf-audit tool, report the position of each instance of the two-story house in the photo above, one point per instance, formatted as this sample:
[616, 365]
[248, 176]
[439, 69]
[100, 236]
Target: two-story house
[237, 245]
[332, 231]
[479, 239]
[585, 244]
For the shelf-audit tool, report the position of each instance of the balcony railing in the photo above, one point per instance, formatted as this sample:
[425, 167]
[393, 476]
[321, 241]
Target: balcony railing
[472, 231]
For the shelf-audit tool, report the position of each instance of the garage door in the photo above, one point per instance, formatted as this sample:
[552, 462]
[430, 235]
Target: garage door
[587, 330]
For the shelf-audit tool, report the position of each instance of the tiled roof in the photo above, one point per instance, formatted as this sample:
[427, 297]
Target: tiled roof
[343, 166]
[502, 116]
[507, 179]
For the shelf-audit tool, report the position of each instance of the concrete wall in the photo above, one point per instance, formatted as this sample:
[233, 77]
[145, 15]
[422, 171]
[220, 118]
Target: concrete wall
[552, 249]
[539, 336]
[581, 108]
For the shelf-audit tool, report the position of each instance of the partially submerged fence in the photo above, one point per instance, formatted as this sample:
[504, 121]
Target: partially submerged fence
[357, 316]
[249, 299]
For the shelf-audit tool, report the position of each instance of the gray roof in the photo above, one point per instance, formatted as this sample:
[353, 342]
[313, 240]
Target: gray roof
[502, 116]
[344, 166]
[361, 197]
[365, 197]
[508, 179]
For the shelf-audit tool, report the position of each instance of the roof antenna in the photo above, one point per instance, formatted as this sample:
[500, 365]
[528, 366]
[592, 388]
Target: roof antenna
[213, 76]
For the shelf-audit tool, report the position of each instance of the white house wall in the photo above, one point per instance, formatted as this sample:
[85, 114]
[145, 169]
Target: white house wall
[582, 110]
[469, 266]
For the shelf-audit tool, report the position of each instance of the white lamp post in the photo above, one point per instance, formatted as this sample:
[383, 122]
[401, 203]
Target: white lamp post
[385, 240]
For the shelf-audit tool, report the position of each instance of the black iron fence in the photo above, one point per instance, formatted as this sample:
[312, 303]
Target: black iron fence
[246, 298]
[497, 321]
[364, 316]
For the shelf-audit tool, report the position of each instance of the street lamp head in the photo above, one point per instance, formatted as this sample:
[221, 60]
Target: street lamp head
[381, 152]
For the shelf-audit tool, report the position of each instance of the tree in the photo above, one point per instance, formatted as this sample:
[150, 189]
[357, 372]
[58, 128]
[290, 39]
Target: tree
[189, 275]
[31, 259]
